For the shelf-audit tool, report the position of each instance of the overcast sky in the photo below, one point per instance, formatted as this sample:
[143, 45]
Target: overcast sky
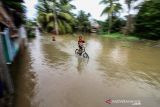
[91, 6]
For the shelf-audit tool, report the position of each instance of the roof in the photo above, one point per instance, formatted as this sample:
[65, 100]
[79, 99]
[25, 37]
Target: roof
[95, 24]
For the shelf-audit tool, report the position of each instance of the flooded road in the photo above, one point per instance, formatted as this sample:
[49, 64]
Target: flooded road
[50, 75]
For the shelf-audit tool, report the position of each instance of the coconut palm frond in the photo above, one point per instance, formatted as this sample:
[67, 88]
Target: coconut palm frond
[106, 11]
[51, 24]
[65, 16]
[67, 27]
[104, 2]
[49, 17]
[59, 13]
[62, 29]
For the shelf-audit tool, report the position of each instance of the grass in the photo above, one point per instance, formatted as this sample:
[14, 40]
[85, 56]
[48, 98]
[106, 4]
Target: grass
[121, 36]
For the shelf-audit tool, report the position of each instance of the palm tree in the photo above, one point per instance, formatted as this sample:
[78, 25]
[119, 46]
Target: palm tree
[112, 8]
[129, 4]
[58, 15]
[83, 22]
[129, 27]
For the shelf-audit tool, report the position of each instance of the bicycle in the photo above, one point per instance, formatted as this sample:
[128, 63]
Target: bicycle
[82, 52]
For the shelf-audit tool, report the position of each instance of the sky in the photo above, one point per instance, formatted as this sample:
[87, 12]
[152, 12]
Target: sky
[31, 11]
[90, 6]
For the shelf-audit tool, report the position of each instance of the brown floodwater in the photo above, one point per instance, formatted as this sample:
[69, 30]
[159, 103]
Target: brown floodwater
[49, 74]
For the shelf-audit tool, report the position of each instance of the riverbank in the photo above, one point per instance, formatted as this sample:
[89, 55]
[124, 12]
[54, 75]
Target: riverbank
[121, 36]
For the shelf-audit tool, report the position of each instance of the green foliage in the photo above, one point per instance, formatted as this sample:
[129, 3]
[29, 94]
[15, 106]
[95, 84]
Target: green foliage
[49, 17]
[30, 28]
[148, 20]
[62, 28]
[50, 25]
[111, 9]
[65, 16]
[83, 23]
[68, 28]
[117, 24]
[103, 27]
[42, 19]
[51, 12]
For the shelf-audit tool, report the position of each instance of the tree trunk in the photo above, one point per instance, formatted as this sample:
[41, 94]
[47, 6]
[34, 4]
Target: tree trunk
[110, 23]
[55, 19]
[56, 24]
[128, 23]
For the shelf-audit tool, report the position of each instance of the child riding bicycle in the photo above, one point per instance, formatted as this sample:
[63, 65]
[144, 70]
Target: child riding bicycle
[80, 44]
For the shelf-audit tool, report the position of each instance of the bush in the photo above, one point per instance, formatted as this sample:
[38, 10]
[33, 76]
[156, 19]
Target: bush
[147, 22]
[117, 24]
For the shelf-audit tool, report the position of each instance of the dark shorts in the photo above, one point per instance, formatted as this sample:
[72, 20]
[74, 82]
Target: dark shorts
[80, 47]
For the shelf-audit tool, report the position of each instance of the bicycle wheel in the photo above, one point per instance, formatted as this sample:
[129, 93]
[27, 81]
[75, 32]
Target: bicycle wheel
[85, 55]
[76, 51]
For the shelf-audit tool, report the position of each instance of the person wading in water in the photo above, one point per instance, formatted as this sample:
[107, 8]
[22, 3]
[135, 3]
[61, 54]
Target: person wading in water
[53, 35]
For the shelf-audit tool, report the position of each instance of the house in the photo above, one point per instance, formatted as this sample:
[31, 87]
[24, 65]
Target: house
[94, 26]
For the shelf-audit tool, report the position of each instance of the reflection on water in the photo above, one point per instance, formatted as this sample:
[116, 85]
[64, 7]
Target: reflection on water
[51, 75]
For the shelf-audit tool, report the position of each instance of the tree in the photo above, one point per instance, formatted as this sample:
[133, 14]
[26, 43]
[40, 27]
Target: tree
[117, 24]
[53, 14]
[129, 24]
[111, 9]
[147, 23]
[129, 5]
[83, 23]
